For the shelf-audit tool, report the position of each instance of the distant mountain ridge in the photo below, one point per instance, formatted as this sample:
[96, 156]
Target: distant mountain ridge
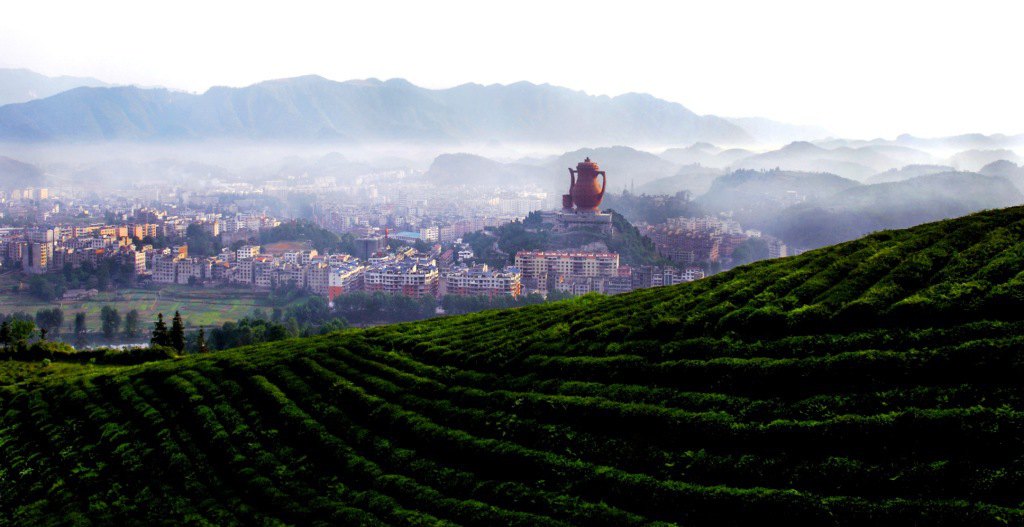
[21, 85]
[314, 108]
[16, 174]
[859, 210]
[857, 163]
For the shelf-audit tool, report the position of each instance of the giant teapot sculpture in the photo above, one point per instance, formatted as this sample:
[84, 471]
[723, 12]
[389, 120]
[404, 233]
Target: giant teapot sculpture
[583, 187]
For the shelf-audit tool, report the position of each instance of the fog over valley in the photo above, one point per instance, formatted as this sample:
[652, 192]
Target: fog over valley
[327, 138]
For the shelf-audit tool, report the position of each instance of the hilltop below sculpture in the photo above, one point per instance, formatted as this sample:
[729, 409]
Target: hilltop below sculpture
[584, 193]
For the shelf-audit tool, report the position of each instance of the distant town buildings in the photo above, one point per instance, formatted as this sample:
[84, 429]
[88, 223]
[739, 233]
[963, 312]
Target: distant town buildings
[565, 270]
[147, 235]
[691, 241]
[409, 278]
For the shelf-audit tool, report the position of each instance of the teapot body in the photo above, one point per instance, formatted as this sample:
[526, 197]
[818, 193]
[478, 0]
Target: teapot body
[585, 190]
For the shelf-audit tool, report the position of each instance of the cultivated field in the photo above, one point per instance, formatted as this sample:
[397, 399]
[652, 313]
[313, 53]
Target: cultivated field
[199, 307]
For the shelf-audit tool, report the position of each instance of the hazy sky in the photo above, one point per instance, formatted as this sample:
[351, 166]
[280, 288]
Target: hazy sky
[860, 68]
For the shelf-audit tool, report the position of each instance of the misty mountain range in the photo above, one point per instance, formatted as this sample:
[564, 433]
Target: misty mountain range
[862, 209]
[312, 108]
[36, 108]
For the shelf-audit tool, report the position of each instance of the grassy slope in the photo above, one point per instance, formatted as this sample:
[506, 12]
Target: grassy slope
[875, 382]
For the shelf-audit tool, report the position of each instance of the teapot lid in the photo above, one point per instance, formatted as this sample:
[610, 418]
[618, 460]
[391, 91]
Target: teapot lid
[587, 164]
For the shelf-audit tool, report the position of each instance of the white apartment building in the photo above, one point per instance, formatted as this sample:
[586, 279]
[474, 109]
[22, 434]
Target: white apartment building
[246, 252]
[344, 278]
[317, 278]
[37, 257]
[479, 280]
[165, 269]
[137, 259]
[409, 279]
[242, 272]
[539, 265]
[777, 249]
[430, 234]
[187, 269]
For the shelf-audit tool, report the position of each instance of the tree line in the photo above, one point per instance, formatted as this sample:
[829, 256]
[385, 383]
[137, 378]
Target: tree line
[49, 323]
[103, 275]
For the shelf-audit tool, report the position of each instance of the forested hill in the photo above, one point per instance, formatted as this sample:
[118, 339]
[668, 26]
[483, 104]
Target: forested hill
[877, 382]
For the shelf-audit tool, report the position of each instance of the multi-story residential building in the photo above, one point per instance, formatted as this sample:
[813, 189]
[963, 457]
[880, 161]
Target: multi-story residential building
[446, 258]
[263, 272]
[520, 206]
[480, 280]
[369, 246]
[220, 271]
[776, 249]
[15, 250]
[317, 277]
[686, 246]
[706, 224]
[344, 278]
[290, 274]
[577, 285]
[616, 284]
[645, 276]
[211, 227]
[691, 274]
[247, 252]
[242, 272]
[165, 269]
[402, 278]
[191, 270]
[429, 234]
[114, 231]
[37, 256]
[142, 230]
[43, 235]
[135, 259]
[544, 269]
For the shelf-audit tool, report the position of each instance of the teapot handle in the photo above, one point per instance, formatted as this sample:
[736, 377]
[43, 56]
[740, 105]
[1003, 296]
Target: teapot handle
[604, 183]
[572, 179]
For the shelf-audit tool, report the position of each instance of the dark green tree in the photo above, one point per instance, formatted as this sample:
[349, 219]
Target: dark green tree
[131, 324]
[80, 329]
[102, 277]
[50, 319]
[201, 342]
[160, 335]
[177, 335]
[750, 250]
[5, 333]
[110, 320]
[22, 330]
[200, 242]
[41, 288]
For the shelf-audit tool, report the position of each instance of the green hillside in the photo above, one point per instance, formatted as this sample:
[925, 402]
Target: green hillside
[877, 382]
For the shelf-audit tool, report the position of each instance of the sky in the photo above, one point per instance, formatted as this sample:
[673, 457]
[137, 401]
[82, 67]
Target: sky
[860, 69]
